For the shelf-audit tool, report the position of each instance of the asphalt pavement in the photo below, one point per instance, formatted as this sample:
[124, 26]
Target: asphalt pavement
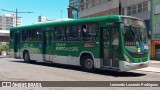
[154, 65]
[16, 70]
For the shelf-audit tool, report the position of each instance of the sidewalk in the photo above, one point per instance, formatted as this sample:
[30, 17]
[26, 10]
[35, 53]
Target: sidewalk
[4, 56]
[151, 68]
[154, 61]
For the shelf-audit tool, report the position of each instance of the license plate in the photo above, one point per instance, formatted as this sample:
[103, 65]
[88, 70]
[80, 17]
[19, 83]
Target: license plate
[141, 65]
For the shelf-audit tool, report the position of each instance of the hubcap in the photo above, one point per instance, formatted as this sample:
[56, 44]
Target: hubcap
[89, 63]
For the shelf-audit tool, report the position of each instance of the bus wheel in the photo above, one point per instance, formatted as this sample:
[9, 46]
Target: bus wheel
[88, 64]
[26, 57]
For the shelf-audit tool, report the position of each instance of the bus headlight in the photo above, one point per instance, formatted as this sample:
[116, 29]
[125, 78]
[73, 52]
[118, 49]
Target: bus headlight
[127, 59]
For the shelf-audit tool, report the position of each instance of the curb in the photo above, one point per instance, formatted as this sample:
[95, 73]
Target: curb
[4, 56]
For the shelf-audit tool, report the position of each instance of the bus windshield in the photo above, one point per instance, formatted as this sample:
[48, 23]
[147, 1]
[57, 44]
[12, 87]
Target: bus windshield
[135, 37]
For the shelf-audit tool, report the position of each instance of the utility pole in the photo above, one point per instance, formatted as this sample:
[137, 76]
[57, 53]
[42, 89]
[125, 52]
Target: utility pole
[16, 12]
[120, 8]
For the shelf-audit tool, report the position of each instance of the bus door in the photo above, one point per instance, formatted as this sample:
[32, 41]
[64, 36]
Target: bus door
[47, 45]
[16, 44]
[110, 47]
[106, 47]
[115, 38]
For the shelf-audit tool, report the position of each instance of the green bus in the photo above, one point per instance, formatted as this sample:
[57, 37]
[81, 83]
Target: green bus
[112, 42]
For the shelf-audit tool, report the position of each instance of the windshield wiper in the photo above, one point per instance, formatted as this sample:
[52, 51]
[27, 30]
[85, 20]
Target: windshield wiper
[137, 36]
[132, 29]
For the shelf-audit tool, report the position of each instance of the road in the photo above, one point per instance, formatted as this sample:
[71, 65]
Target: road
[16, 70]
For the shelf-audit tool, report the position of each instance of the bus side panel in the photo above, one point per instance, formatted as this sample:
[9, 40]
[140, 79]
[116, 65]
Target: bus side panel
[35, 51]
[69, 52]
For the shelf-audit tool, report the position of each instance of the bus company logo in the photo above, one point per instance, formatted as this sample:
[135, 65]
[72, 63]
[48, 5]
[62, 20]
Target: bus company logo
[6, 84]
[88, 45]
[21, 84]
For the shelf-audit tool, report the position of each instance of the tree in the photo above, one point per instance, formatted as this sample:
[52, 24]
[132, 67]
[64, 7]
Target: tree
[4, 48]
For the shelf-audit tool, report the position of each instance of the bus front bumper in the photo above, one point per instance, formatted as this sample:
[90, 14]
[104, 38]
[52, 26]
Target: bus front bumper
[126, 66]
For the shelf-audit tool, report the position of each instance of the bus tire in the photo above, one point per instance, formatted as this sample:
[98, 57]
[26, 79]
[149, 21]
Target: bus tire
[26, 57]
[88, 64]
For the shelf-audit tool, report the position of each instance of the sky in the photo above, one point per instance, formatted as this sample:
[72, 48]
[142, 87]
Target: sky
[51, 9]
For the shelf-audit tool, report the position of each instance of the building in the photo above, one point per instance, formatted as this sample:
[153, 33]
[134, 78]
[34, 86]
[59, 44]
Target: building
[136, 8]
[74, 3]
[42, 19]
[4, 36]
[155, 27]
[7, 21]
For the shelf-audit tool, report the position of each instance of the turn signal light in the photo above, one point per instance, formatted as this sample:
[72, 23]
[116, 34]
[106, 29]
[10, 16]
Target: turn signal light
[127, 59]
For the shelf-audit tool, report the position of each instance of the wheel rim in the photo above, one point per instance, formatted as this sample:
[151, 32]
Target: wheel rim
[89, 63]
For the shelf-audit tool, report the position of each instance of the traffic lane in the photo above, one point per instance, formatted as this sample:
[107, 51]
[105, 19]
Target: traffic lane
[77, 68]
[16, 69]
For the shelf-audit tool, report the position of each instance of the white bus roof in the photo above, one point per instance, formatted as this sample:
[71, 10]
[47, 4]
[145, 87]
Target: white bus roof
[58, 20]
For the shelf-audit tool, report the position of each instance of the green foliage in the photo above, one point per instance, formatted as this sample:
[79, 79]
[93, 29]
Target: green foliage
[4, 48]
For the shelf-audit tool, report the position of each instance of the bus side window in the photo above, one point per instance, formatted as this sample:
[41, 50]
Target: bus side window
[93, 31]
[72, 33]
[34, 34]
[56, 33]
[59, 33]
[78, 27]
[89, 32]
[76, 32]
[68, 33]
[39, 34]
[84, 31]
[25, 35]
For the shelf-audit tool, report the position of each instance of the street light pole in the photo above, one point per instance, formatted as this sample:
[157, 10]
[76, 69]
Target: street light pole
[16, 12]
[16, 16]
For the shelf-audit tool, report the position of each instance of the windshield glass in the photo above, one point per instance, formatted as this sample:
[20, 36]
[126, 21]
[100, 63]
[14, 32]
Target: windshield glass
[135, 39]
[135, 35]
